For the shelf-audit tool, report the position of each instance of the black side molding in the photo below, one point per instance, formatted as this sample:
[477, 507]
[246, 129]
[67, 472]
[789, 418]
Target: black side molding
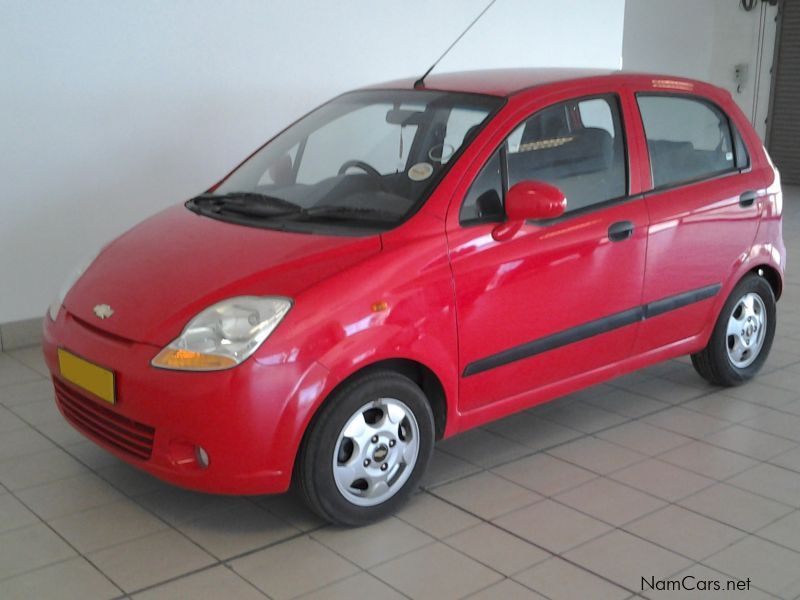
[551, 342]
[675, 302]
[591, 329]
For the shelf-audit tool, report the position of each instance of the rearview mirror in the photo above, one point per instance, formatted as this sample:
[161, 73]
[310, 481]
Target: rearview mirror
[534, 200]
[399, 116]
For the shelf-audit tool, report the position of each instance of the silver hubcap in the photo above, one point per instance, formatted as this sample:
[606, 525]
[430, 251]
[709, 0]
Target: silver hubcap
[747, 327]
[376, 452]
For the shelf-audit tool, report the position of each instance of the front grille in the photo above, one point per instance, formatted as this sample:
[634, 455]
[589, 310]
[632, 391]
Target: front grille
[124, 434]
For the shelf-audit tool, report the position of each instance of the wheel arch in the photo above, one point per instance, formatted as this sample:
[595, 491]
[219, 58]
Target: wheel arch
[419, 373]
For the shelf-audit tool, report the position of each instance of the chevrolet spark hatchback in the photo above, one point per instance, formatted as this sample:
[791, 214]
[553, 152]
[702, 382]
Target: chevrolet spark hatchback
[403, 264]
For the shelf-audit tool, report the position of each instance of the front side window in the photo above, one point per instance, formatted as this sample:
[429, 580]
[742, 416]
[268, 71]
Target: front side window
[688, 139]
[365, 160]
[577, 146]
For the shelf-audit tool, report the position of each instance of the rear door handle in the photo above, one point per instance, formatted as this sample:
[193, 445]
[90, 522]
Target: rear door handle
[619, 231]
[747, 199]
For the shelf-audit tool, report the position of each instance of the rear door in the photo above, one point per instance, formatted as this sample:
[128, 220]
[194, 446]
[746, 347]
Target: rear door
[703, 207]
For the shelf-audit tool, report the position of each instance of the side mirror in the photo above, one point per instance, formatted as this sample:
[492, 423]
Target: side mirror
[533, 200]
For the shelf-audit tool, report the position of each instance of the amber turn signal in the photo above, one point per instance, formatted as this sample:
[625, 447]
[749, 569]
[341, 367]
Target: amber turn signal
[178, 358]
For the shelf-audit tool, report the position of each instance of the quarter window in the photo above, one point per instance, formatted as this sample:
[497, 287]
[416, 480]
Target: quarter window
[484, 201]
[688, 139]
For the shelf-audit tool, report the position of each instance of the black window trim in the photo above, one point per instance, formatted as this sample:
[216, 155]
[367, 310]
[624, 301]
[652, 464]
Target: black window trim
[736, 170]
[501, 150]
[503, 146]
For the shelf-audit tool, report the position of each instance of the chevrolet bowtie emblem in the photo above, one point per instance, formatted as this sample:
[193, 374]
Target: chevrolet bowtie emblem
[103, 311]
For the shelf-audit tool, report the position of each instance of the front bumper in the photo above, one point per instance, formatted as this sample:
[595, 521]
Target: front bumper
[249, 419]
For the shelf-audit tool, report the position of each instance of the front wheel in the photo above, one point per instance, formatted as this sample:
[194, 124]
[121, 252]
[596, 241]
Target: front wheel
[366, 449]
[743, 335]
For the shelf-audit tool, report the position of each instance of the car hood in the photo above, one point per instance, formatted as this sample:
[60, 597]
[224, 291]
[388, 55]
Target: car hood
[161, 273]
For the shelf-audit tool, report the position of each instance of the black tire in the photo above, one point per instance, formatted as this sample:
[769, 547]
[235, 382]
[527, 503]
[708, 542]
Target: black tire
[713, 362]
[315, 465]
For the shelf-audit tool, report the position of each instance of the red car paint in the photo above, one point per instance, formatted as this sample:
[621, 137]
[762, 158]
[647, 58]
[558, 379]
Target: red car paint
[430, 292]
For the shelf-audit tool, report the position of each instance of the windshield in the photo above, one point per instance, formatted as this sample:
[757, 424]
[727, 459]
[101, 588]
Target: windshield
[363, 162]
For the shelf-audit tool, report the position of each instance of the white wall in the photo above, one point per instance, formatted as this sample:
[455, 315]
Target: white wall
[704, 40]
[110, 111]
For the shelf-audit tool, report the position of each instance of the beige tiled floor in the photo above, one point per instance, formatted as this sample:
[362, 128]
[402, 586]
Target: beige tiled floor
[653, 474]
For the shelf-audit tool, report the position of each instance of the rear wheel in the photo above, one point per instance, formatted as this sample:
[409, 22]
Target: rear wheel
[743, 335]
[366, 449]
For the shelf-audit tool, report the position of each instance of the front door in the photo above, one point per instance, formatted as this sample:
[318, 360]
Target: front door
[559, 298]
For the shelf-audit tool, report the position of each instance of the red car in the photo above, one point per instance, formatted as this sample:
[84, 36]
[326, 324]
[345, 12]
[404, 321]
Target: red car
[410, 261]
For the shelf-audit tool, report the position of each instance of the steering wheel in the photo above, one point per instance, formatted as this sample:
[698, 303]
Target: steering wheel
[368, 169]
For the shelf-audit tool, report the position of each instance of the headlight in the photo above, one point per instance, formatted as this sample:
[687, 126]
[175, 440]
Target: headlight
[225, 334]
[55, 305]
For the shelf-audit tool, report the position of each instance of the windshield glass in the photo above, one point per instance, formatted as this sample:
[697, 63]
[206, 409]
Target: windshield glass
[364, 161]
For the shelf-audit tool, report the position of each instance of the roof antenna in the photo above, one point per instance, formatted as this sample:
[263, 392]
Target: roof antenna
[421, 81]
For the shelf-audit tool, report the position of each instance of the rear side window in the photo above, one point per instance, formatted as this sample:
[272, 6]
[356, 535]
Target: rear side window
[688, 139]
[577, 146]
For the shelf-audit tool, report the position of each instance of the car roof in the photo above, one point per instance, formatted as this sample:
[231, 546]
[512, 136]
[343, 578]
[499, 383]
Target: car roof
[507, 82]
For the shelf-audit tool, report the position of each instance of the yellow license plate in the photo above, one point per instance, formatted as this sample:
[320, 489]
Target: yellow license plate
[86, 375]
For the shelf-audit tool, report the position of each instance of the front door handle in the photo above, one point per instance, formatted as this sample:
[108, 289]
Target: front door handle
[619, 231]
[747, 199]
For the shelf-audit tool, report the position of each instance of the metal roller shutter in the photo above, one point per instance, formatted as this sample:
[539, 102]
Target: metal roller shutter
[783, 141]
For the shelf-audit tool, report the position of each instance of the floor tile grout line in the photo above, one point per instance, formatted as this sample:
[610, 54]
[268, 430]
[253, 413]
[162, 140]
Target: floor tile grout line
[362, 571]
[605, 533]
[563, 491]
[49, 481]
[173, 527]
[582, 435]
[145, 508]
[12, 353]
[509, 578]
[54, 531]
[738, 452]
[78, 553]
[53, 564]
[723, 481]
[506, 576]
[714, 481]
[540, 547]
[369, 570]
[782, 437]
[434, 540]
[27, 367]
[96, 473]
[675, 502]
[704, 439]
[443, 541]
[330, 526]
[731, 399]
[233, 571]
[218, 562]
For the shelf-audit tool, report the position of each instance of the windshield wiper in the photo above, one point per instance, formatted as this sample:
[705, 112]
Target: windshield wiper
[251, 204]
[349, 213]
